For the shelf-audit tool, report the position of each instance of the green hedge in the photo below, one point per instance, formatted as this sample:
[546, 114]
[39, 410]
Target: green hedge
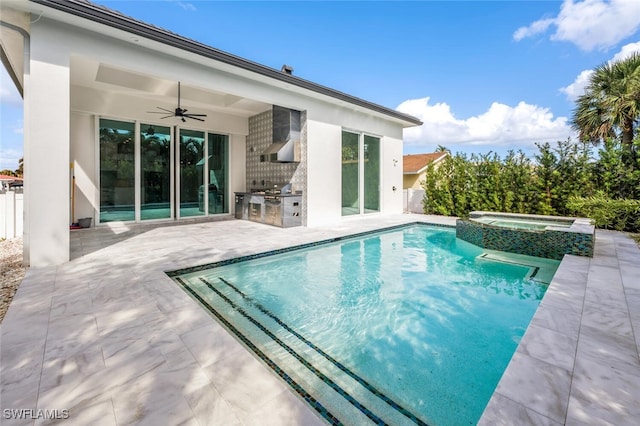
[620, 215]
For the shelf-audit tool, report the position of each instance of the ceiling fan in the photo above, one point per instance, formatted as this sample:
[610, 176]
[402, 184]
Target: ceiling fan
[178, 112]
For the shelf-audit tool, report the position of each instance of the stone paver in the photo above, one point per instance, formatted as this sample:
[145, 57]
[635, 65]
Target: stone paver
[578, 362]
[109, 337]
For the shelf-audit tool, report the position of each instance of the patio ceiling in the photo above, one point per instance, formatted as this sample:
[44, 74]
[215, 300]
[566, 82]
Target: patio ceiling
[156, 91]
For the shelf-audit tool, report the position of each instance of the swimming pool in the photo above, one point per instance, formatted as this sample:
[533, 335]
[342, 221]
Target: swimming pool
[406, 326]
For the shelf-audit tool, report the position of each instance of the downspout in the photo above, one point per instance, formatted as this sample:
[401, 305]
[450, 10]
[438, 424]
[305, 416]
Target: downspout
[26, 52]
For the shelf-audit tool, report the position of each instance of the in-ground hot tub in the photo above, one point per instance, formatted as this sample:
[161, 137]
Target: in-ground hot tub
[542, 236]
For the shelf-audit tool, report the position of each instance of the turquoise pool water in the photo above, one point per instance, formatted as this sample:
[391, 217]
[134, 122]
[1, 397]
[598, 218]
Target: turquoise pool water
[409, 326]
[525, 224]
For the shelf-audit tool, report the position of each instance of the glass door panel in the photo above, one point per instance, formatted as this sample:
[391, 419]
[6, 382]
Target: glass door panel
[192, 175]
[117, 171]
[155, 168]
[350, 174]
[371, 174]
[218, 166]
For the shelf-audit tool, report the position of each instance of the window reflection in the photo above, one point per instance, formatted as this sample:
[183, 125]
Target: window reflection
[117, 171]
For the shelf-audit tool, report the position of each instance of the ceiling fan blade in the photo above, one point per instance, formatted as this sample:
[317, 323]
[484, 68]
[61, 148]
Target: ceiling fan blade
[168, 116]
[192, 117]
[178, 112]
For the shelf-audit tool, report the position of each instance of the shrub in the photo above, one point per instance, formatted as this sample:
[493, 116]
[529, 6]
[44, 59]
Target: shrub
[620, 215]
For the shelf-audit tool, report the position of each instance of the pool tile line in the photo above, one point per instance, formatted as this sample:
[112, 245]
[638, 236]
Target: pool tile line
[308, 398]
[199, 268]
[399, 408]
[346, 395]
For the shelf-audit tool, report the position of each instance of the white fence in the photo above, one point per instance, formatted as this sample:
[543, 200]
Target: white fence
[413, 200]
[11, 208]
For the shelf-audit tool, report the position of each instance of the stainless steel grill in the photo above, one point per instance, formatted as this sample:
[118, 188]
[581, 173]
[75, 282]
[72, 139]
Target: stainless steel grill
[285, 188]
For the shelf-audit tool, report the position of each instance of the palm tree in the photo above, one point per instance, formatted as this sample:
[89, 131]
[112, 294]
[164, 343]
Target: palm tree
[610, 106]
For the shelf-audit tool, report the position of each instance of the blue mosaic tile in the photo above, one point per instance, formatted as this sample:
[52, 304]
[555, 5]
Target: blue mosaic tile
[550, 244]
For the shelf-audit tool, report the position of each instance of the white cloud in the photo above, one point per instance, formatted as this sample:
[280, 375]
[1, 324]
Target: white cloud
[537, 27]
[576, 88]
[626, 51]
[500, 127]
[589, 24]
[185, 5]
[9, 158]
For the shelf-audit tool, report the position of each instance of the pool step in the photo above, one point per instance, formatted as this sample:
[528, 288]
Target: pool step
[332, 389]
[541, 270]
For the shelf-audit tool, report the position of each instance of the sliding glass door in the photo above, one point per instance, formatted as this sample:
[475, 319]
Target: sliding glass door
[218, 165]
[350, 173]
[191, 157]
[155, 172]
[360, 173]
[117, 171]
[145, 176]
[371, 164]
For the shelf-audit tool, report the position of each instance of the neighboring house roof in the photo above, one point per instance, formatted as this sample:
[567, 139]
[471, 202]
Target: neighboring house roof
[10, 178]
[414, 164]
[114, 19]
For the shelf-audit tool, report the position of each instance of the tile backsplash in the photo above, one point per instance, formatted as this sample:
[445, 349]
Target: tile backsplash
[263, 174]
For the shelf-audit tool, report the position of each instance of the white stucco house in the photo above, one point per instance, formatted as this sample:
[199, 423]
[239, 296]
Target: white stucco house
[127, 122]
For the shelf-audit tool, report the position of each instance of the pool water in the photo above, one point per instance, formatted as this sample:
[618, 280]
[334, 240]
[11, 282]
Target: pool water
[521, 223]
[409, 326]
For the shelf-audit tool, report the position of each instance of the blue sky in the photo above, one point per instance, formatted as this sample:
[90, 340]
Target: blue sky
[482, 75]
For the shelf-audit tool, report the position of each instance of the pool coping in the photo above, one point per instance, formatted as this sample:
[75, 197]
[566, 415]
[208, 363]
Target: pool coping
[110, 337]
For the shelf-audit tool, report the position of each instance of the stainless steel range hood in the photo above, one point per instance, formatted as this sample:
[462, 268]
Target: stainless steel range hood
[285, 147]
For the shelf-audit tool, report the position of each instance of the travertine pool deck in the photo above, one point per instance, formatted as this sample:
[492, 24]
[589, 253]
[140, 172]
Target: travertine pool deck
[109, 337]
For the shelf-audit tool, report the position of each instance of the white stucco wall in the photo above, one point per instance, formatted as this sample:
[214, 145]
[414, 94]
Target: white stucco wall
[82, 156]
[237, 168]
[324, 184]
[46, 151]
[391, 172]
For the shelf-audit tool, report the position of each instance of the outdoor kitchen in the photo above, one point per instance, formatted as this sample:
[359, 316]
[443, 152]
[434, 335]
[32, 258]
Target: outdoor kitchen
[277, 206]
[275, 169]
